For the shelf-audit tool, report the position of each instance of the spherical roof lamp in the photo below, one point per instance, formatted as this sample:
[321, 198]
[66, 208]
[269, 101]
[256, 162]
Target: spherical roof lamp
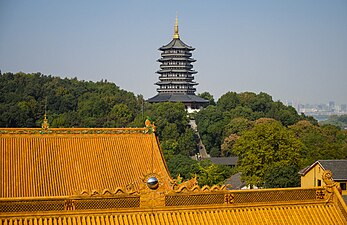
[152, 183]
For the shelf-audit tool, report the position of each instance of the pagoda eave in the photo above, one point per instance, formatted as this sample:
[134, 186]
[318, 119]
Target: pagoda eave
[176, 71]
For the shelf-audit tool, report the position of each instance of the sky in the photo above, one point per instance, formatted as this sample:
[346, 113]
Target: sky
[294, 50]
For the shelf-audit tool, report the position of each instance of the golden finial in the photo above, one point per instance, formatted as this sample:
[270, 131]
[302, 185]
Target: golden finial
[45, 124]
[176, 34]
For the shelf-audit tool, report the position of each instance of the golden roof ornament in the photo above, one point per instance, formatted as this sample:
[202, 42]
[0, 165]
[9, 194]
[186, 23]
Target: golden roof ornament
[45, 124]
[150, 127]
[176, 34]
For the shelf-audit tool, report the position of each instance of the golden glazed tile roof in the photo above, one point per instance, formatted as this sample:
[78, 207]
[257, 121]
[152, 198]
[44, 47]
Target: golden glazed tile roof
[98, 176]
[66, 162]
[291, 212]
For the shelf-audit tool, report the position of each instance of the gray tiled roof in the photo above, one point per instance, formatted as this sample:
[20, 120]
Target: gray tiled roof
[235, 181]
[177, 97]
[344, 198]
[230, 161]
[177, 44]
[337, 167]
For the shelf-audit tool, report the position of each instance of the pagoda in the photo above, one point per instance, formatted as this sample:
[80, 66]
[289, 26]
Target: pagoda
[176, 75]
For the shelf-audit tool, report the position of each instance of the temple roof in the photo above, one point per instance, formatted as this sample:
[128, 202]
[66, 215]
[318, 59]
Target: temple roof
[69, 161]
[177, 97]
[271, 215]
[74, 177]
[230, 161]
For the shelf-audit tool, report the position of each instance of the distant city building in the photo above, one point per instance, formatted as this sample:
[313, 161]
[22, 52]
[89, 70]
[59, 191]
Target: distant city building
[319, 111]
[331, 105]
[176, 75]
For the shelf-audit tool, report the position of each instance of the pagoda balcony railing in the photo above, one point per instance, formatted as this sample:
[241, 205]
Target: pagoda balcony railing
[180, 59]
[187, 54]
[166, 71]
[182, 85]
[188, 67]
[180, 90]
[168, 76]
[176, 78]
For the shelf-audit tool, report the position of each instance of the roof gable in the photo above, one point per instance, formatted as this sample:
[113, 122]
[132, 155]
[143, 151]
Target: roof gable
[337, 167]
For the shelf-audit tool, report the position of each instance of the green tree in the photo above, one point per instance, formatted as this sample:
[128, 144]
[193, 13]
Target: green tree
[211, 124]
[228, 101]
[62, 99]
[206, 95]
[167, 113]
[280, 176]
[186, 143]
[286, 114]
[268, 144]
[237, 126]
[228, 144]
[325, 142]
[119, 116]
[211, 174]
[183, 166]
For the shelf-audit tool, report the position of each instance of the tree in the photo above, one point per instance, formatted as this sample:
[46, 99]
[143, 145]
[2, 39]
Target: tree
[167, 113]
[211, 123]
[237, 126]
[24, 98]
[186, 143]
[340, 121]
[206, 95]
[228, 101]
[212, 174]
[119, 116]
[326, 142]
[286, 114]
[280, 176]
[183, 166]
[268, 144]
[228, 144]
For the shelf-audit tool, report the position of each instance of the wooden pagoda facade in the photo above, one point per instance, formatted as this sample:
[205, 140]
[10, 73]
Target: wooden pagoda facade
[176, 75]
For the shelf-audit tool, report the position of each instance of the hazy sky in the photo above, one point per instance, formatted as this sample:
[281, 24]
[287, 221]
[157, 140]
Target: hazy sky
[293, 50]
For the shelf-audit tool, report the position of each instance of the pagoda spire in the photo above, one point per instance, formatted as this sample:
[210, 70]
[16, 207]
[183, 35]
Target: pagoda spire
[176, 34]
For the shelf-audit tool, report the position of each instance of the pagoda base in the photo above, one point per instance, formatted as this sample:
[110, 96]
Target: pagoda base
[192, 102]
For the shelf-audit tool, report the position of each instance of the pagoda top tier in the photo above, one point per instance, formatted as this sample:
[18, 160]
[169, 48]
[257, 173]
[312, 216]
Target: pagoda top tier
[176, 42]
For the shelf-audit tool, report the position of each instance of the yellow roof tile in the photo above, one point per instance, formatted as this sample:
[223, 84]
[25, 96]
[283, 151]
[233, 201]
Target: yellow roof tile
[72, 177]
[66, 164]
[298, 214]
